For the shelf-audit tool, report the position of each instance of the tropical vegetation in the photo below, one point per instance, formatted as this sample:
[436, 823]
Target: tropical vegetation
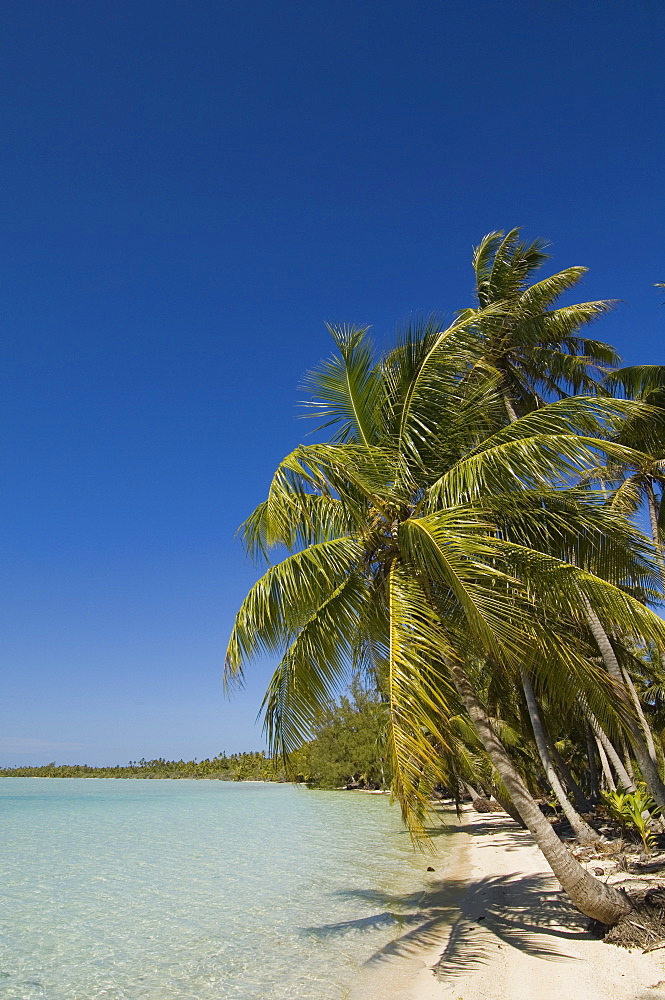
[252, 766]
[468, 540]
[348, 749]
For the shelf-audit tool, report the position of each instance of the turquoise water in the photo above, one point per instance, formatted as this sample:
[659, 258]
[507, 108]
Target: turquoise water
[196, 890]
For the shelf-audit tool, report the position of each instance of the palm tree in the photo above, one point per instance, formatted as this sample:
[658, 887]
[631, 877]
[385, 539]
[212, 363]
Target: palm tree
[640, 480]
[581, 828]
[398, 555]
[536, 348]
[644, 478]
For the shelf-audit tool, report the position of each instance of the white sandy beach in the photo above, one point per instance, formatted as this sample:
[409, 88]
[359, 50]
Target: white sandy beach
[494, 925]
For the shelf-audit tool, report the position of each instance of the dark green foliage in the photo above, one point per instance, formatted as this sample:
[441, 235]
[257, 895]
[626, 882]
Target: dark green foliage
[349, 748]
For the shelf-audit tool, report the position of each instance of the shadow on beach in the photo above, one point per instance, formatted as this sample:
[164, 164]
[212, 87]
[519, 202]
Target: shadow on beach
[468, 919]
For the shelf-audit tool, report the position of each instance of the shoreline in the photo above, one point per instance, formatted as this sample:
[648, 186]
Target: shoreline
[494, 924]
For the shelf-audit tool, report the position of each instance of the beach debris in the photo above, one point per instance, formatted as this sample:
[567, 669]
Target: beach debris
[481, 804]
[644, 926]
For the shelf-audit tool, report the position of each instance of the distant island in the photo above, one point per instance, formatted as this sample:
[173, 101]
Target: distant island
[254, 766]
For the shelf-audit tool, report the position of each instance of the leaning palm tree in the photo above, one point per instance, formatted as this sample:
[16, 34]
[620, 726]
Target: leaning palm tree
[637, 481]
[538, 354]
[581, 828]
[398, 556]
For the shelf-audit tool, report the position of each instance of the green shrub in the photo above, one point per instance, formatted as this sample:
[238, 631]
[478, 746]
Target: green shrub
[634, 810]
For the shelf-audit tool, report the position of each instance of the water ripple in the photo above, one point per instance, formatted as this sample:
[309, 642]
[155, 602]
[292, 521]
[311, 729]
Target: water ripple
[193, 890]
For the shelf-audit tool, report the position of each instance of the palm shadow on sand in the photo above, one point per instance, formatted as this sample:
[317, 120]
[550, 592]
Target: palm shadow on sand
[470, 919]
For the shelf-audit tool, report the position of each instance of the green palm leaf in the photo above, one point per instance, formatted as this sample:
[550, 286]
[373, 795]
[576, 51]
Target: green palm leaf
[347, 388]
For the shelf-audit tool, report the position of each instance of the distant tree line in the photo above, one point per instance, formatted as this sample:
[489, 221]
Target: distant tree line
[254, 766]
[348, 751]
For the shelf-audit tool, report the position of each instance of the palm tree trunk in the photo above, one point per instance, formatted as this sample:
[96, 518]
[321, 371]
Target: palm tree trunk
[660, 558]
[653, 518]
[510, 409]
[582, 804]
[611, 753]
[628, 764]
[655, 537]
[582, 830]
[594, 790]
[591, 896]
[605, 764]
[647, 766]
[646, 729]
[508, 807]
[504, 802]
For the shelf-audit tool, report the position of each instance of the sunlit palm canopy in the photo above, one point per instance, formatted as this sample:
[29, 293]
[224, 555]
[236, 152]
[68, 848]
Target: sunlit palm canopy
[536, 346]
[427, 532]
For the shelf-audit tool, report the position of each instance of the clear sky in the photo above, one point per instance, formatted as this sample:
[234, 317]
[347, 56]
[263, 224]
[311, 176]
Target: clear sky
[188, 190]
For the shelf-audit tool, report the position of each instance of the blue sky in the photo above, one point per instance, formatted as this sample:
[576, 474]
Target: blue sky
[188, 191]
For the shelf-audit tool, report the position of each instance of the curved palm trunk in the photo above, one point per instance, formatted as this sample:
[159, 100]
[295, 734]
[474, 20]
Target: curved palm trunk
[647, 766]
[653, 518]
[591, 896]
[582, 830]
[646, 729]
[510, 409]
[628, 764]
[660, 558]
[509, 808]
[610, 752]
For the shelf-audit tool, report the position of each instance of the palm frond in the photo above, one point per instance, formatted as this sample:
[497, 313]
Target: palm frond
[539, 296]
[637, 381]
[441, 375]
[419, 697]
[314, 668]
[283, 600]
[294, 518]
[447, 548]
[347, 389]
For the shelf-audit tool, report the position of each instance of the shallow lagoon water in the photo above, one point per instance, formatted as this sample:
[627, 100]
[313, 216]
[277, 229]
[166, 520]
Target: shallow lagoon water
[196, 890]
